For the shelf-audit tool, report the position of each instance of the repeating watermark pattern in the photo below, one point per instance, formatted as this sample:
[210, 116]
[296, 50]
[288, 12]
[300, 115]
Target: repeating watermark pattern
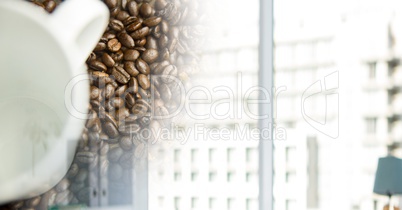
[226, 103]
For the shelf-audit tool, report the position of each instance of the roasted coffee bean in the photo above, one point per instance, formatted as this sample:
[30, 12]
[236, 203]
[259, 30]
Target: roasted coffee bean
[111, 3]
[118, 103]
[33, 202]
[132, 7]
[100, 46]
[116, 25]
[160, 4]
[131, 118]
[133, 84]
[134, 26]
[172, 45]
[120, 75]
[108, 60]
[165, 27]
[151, 43]
[140, 49]
[161, 111]
[152, 21]
[62, 185]
[114, 154]
[126, 40]
[122, 113]
[108, 36]
[113, 45]
[63, 198]
[122, 15]
[91, 57]
[50, 5]
[142, 66]
[110, 118]
[109, 91]
[144, 103]
[139, 110]
[144, 93]
[123, 4]
[150, 55]
[143, 81]
[104, 149]
[157, 32]
[94, 93]
[114, 12]
[131, 55]
[117, 56]
[122, 89]
[144, 121]
[130, 100]
[85, 157]
[111, 130]
[169, 73]
[145, 10]
[140, 33]
[129, 66]
[154, 92]
[126, 143]
[141, 42]
[82, 175]
[165, 92]
[73, 171]
[129, 128]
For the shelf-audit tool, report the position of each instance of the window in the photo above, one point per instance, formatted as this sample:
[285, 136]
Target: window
[372, 70]
[211, 155]
[251, 204]
[212, 203]
[231, 203]
[194, 176]
[177, 203]
[194, 202]
[230, 154]
[230, 176]
[212, 176]
[177, 154]
[177, 176]
[251, 155]
[194, 155]
[371, 125]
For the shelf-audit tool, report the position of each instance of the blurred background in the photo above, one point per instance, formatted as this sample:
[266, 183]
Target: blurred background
[337, 109]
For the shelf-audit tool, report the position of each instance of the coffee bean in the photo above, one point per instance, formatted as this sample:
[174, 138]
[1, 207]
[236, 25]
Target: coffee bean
[132, 7]
[94, 93]
[154, 92]
[113, 45]
[110, 118]
[50, 5]
[134, 26]
[114, 12]
[85, 157]
[139, 109]
[145, 10]
[145, 121]
[150, 55]
[114, 154]
[108, 60]
[156, 32]
[126, 143]
[144, 93]
[140, 49]
[166, 94]
[109, 91]
[63, 198]
[163, 41]
[143, 81]
[140, 33]
[131, 55]
[129, 66]
[76, 186]
[169, 73]
[151, 43]
[104, 149]
[144, 103]
[128, 129]
[131, 118]
[123, 4]
[111, 3]
[118, 103]
[133, 84]
[140, 42]
[82, 175]
[120, 75]
[122, 15]
[161, 111]
[165, 27]
[117, 56]
[116, 25]
[126, 40]
[152, 21]
[130, 100]
[142, 66]
[33, 202]
[111, 130]
[62, 185]
[122, 113]
[73, 171]
[122, 89]
[160, 4]
[100, 47]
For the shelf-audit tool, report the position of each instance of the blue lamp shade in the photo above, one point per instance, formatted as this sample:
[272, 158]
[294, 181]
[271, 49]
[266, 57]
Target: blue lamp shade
[388, 178]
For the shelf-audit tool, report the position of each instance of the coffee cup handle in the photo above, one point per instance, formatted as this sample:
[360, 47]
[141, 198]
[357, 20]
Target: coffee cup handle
[79, 25]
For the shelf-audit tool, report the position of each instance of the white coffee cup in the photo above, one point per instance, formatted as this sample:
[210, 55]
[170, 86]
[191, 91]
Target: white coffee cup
[40, 55]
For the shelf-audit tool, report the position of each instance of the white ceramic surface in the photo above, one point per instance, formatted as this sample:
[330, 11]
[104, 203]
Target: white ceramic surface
[41, 57]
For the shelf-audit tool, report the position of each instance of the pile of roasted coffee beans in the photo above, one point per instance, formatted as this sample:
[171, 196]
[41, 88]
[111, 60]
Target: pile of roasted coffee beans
[137, 69]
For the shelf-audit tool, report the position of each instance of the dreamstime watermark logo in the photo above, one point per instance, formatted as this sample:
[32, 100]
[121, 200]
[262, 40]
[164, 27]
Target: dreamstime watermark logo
[223, 103]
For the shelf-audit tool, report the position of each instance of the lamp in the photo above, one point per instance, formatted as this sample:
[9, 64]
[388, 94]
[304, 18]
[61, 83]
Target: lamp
[388, 178]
